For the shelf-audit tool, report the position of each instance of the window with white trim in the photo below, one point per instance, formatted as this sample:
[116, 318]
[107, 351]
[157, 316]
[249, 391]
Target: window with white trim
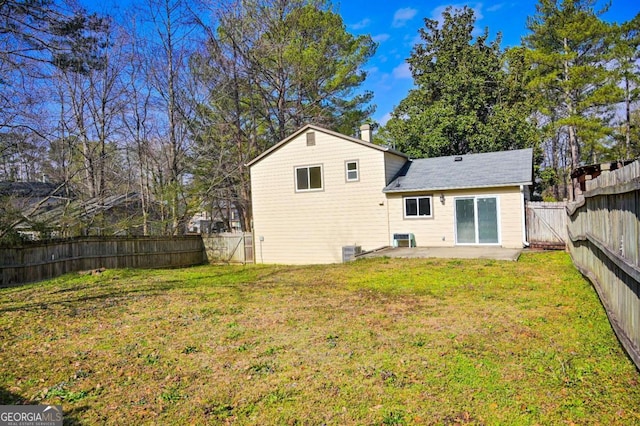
[309, 178]
[417, 207]
[351, 170]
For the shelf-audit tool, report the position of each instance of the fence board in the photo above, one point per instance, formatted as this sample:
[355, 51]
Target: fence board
[604, 244]
[43, 260]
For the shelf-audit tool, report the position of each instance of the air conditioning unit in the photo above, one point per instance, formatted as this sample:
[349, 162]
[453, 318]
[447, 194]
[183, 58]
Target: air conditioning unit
[404, 240]
[350, 252]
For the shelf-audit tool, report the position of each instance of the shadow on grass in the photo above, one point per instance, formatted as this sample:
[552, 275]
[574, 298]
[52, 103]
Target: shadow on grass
[69, 416]
[113, 290]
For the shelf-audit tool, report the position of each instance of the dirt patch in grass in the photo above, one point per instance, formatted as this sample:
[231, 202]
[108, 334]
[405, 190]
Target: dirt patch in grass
[381, 341]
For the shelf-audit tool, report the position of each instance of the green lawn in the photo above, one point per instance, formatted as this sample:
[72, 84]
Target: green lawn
[381, 341]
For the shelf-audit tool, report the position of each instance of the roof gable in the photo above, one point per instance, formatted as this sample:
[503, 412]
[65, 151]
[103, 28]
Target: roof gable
[492, 169]
[315, 128]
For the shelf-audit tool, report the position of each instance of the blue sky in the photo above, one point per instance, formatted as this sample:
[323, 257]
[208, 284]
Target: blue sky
[394, 25]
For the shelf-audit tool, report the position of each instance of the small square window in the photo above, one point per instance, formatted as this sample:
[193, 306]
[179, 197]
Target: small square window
[351, 169]
[416, 207]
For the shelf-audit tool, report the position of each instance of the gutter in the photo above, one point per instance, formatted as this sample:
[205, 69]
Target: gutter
[452, 188]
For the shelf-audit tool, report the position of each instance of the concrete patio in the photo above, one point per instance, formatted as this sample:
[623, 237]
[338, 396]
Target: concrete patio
[459, 252]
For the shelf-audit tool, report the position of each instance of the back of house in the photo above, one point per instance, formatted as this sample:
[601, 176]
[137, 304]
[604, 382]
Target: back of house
[318, 191]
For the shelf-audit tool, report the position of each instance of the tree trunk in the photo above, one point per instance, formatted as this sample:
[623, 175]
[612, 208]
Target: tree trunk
[555, 167]
[627, 130]
[573, 137]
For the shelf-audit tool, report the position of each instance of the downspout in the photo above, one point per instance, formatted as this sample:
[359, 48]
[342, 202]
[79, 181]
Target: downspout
[525, 243]
[386, 201]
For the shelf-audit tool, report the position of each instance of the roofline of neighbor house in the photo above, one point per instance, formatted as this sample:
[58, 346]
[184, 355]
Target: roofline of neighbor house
[453, 188]
[329, 132]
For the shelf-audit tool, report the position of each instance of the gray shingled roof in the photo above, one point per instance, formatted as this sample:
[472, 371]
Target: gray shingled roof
[31, 189]
[505, 168]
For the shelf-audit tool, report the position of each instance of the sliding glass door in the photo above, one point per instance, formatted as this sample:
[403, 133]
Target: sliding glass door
[476, 220]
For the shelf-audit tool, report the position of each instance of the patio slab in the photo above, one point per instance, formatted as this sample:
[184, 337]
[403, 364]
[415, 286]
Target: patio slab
[459, 252]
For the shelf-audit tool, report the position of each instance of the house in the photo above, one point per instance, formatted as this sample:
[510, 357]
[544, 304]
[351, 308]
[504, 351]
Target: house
[318, 191]
[583, 174]
[110, 215]
[21, 202]
[222, 216]
[22, 195]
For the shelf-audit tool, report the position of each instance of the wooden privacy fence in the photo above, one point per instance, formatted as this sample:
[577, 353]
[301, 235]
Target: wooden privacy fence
[229, 247]
[604, 237]
[547, 225]
[43, 260]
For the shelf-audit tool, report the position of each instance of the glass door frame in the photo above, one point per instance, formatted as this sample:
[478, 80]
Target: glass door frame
[475, 199]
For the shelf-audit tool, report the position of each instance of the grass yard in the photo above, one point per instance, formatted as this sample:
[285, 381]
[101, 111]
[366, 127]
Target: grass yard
[380, 341]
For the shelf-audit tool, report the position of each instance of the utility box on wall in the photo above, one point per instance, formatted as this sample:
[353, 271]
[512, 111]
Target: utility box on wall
[404, 240]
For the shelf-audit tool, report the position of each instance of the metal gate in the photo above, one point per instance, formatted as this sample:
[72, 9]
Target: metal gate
[547, 225]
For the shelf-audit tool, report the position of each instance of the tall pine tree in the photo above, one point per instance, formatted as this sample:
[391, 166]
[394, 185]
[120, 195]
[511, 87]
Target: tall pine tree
[567, 50]
[626, 60]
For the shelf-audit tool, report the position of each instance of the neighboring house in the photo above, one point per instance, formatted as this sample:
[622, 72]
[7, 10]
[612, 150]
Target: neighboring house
[119, 214]
[21, 204]
[224, 219]
[222, 216]
[111, 215]
[318, 191]
[22, 195]
[583, 174]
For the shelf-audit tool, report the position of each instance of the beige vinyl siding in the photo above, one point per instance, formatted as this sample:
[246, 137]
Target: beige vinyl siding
[311, 227]
[393, 163]
[439, 231]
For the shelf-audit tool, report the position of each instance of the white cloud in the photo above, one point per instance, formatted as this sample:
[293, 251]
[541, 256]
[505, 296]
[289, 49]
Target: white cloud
[381, 38]
[402, 71]
[402, 16]
[436, 14]
[362, 24]
[495, 7]
[385, 118]
[412, 39]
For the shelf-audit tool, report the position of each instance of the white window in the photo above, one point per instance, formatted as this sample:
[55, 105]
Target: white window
[351, 170]
[309, 178]
[417, 207]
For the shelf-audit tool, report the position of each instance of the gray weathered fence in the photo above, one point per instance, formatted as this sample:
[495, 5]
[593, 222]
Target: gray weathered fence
[604, 237]
[43, 260]
[547, 225]
[229, 247]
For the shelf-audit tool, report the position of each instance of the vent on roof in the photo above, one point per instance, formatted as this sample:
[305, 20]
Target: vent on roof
[311, 138]
[457, 159]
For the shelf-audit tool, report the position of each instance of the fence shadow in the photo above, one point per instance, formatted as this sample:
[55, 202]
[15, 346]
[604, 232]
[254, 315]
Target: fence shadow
[112, 292]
